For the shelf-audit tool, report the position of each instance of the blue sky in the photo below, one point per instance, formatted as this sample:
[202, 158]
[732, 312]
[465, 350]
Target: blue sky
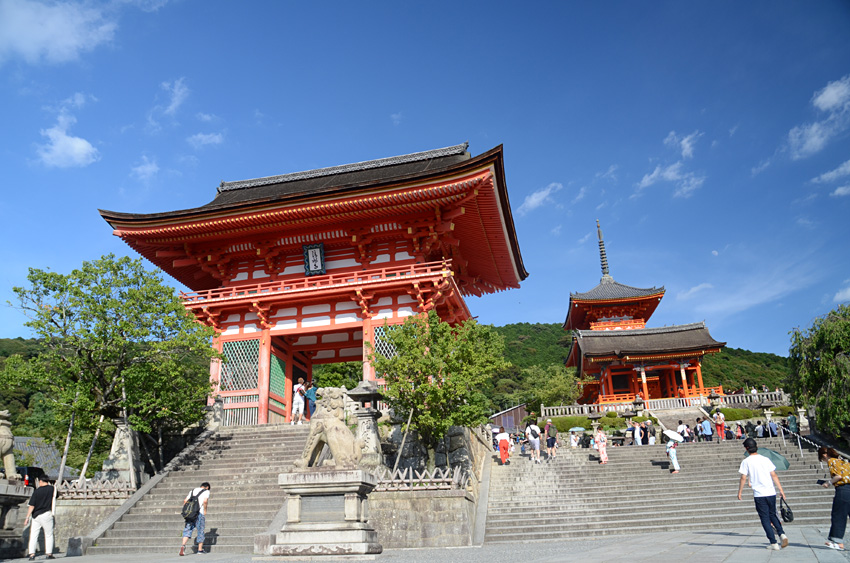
[712, 140]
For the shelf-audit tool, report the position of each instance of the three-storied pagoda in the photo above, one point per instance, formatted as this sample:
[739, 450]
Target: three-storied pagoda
[618, 357]
[306, 268]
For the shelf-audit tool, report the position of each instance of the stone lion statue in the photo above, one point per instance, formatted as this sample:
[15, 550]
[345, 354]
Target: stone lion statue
[328, 427]
[7, 445]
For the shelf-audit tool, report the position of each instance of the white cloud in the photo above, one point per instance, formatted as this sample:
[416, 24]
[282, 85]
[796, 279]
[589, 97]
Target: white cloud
[693, 291]
[63, 150]
[842, 191]
[204, 116]
[685, 144]
[805, 222]
[539, 198]
[585, 238]
[146, 170]
[178, 92]
[52, 32]
[396, 118]
[145, 5]
[842, 296]
[834, 101]
[580, 195]
[687, 182]
[556, 231]
[832, 175]
[715, 253]
[733, 130]
[609, 174]
[199, 140]
[762, 166]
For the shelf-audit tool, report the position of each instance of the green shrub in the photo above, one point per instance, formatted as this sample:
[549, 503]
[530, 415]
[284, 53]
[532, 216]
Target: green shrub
[611, 414]
[645, 418]
[738, 414]
[564, 423]
[784, 411]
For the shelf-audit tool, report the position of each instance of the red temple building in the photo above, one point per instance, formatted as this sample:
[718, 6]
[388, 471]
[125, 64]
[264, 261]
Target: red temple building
[308, 268]
[618, 357]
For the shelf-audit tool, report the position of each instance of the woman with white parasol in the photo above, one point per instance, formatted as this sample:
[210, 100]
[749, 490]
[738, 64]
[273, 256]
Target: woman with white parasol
[672, 443]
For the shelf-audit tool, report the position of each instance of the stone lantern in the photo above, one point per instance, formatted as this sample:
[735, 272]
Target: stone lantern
[638, 405]
[594, 420]
[714, 399]
[767, 405]
[628, 415]
[802, 419]
[366, 393]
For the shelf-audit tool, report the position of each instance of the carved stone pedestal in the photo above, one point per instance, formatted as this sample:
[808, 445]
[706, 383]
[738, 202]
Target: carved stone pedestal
[12, 495]
[327, 514]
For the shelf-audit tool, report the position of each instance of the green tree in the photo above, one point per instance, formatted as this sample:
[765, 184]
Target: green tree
[344, 374]
[111, 335]
[551, 385]
[439, 371]
[821, 369]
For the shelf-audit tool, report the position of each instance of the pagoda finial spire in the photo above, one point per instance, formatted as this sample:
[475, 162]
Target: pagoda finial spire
[602, 256]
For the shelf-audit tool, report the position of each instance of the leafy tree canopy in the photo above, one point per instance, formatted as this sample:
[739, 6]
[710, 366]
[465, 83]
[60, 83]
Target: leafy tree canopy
[345, 374]
[820, 360]
[113, 336]
[439, 371]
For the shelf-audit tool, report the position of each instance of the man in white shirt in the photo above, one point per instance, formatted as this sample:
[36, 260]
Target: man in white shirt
[762, 475]
[298, 393]
[199, 522]
[532, 432]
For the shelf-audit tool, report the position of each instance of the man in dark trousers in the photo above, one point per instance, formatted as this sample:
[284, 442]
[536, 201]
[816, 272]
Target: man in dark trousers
[40, 512]
[203, 495]
[762, 476]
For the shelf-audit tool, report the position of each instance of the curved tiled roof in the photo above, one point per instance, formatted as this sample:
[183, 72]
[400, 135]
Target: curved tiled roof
[609, 289]
[694, 336]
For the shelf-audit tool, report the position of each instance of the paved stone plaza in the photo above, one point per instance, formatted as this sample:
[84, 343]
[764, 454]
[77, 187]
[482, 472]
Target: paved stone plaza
[741, 546]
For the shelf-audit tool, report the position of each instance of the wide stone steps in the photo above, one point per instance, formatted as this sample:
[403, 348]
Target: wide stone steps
[242, 467]
[572, 496]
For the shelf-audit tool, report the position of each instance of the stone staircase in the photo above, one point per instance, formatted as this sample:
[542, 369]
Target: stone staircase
[573, 497]
[242, 466]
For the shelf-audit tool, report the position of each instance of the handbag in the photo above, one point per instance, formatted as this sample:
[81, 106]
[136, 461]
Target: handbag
[785, 511]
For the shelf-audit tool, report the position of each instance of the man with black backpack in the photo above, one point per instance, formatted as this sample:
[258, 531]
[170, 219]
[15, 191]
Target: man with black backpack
[194, 512]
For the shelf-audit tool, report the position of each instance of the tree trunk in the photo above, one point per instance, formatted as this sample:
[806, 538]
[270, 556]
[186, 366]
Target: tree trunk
[161, 449]
[91, 450]
[62, 463]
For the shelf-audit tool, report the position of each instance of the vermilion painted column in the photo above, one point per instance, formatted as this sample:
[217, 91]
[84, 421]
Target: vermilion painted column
[684, 380]
[699, 377]
[264, 377]
[643, 380]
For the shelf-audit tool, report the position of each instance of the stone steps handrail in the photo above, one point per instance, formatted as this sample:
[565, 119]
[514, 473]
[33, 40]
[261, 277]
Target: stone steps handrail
[95, 490]
[410, 480]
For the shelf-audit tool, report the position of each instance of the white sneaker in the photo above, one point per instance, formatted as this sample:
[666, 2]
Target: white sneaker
[773, 547]
[783, 540]
[299, 423]
[291, 423]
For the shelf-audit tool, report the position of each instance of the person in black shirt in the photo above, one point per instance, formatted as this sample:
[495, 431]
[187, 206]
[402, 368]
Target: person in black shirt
[41, 512]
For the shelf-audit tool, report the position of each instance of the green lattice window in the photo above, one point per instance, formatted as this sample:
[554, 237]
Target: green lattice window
[382, 346]
[240, 370]
[277, 376]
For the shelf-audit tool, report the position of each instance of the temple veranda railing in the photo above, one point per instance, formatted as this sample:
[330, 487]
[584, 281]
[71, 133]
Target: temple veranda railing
[316, 283]
[95, 490]
[743, 400]
[437, 479]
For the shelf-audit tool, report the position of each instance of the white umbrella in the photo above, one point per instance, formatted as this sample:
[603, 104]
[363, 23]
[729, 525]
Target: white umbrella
[674, 435]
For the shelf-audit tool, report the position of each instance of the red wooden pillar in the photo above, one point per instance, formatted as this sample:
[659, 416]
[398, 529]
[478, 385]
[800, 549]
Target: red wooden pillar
[684, 380]
[264, 377]
[643, 381]
[699, 378]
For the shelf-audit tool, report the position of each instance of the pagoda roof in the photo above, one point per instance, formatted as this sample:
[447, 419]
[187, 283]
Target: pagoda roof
[692, 337]
[609, 289]
[276, 207]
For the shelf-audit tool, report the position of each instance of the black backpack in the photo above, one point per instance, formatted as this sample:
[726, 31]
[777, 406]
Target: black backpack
[534, 434]
[191, 508]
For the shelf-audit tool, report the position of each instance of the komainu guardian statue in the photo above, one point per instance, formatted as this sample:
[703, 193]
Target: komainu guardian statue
[328, 427]
[7, 445]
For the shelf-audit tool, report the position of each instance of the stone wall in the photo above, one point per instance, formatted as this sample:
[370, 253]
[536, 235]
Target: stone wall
[79, 517]
[422, 518]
